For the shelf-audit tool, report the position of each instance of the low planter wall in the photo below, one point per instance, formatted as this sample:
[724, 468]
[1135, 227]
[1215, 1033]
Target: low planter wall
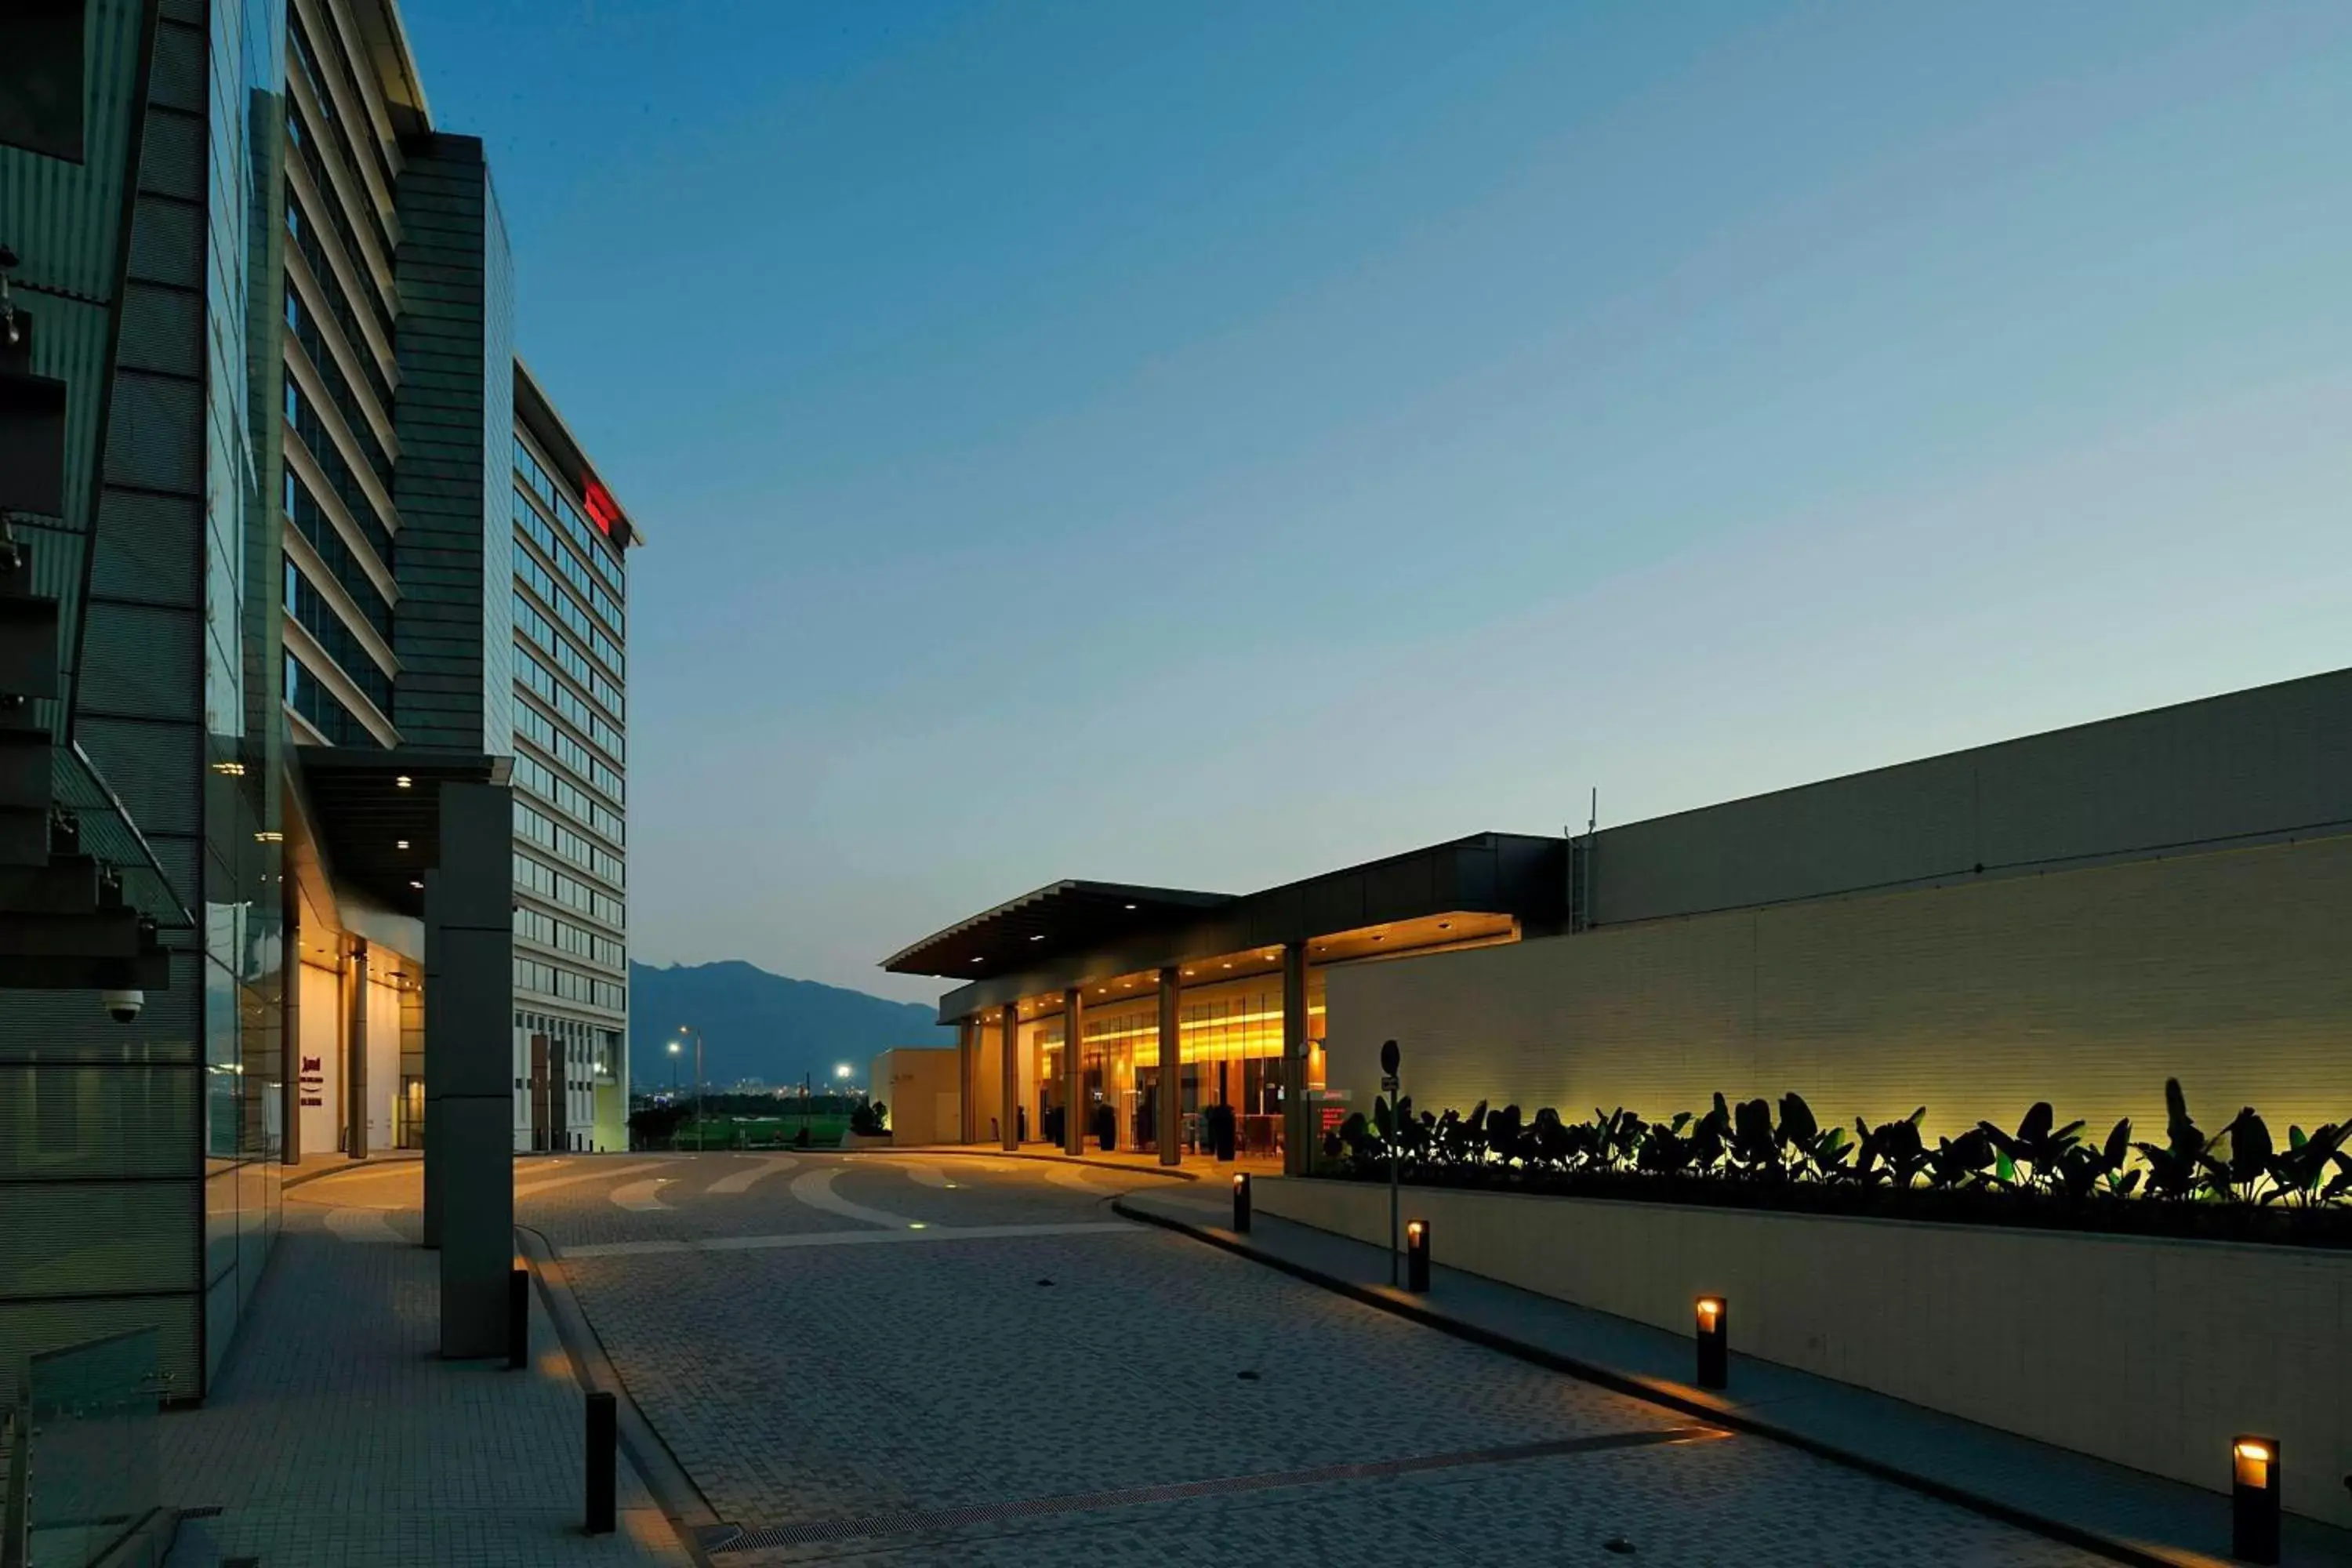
[2149, 1353]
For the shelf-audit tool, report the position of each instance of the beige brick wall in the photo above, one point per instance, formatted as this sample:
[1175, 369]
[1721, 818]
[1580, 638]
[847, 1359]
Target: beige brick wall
[2151, 1354]
[2230, 970]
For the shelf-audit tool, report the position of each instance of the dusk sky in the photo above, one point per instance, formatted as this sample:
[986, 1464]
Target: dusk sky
[1209, 443]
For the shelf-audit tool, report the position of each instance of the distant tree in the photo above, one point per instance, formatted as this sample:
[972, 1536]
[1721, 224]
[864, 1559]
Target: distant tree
[653, 1124]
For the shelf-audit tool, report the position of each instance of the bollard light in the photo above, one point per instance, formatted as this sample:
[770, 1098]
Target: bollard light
[1714, 1343]
[1241, 1202]
[603, 1441]
[1416, 1257]
[2254, 1498]
[518, 1318]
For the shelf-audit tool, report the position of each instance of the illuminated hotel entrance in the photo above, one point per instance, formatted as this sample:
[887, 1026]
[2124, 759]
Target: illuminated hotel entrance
[1230, 1017]
[1067, 999]
[1231, 1056]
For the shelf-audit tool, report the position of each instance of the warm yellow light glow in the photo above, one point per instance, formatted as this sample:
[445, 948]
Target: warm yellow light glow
[2253, 1462]
[234, 770]
[917, 1224]
[402, 782]
[1710, 1307]
[1239, 1181]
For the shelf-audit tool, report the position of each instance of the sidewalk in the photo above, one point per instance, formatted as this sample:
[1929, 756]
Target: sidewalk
[336, 1438]
[2125, 1514]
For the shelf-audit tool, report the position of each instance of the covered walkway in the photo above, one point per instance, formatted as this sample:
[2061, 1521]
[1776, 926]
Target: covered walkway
[1175, 1025]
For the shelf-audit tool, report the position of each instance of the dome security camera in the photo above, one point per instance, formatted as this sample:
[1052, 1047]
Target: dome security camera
[122, 1006]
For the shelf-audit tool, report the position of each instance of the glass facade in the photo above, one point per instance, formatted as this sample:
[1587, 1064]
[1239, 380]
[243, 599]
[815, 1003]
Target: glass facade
[243, 862]
[1231, 1038]
[571, 717]
[337, 396]
[240, 598]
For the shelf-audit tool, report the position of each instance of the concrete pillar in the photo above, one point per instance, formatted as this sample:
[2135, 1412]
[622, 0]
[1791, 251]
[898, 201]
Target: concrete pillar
[967, 1100]
[468, 1065]
[1297, 1123]
[1171, 1069]
[1074, 1082]
[290, 1022]
[355, 1051]
[1009, 1065]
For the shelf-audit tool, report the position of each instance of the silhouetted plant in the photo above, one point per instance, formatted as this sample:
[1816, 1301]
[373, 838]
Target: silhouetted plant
[1789, 1160]
[1809, 1150]
[1957, 1164]
[2177, 1167]
[2038, 1148]
[2299, 1172]
[1892, 1153]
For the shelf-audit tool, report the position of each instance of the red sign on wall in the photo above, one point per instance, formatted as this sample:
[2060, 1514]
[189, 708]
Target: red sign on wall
[603, 511]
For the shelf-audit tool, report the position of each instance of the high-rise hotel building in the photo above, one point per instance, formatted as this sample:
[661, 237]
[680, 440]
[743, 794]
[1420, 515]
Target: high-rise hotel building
[571, 762]
[335, 591]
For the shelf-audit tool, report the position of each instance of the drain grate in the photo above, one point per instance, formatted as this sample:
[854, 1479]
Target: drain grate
[921, 1521]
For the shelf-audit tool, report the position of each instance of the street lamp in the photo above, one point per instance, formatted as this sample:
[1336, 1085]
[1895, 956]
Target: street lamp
[691, 1029]
[674, 1049]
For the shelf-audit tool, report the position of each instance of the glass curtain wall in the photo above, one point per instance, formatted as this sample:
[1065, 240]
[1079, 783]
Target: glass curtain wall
[243, 875]
[1231, 1036]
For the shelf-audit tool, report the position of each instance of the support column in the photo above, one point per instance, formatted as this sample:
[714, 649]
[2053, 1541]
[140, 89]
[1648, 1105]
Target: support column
[1171, 1069]
[289, 1024]
[355, 1051]
[1074, 1082]
[468, 1065]
[1009, 1067]
[966, 1082]
[1297, 1123]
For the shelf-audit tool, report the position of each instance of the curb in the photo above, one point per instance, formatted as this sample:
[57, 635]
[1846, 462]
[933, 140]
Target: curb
[696, 1523]
[1679, 1397]
[926, 1151]
[289, 1182]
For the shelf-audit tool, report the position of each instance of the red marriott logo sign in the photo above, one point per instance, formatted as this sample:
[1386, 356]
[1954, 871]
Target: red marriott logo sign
[601, 508]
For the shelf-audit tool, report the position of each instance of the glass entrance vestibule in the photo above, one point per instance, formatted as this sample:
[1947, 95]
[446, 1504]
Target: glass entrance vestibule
[1231, 1038]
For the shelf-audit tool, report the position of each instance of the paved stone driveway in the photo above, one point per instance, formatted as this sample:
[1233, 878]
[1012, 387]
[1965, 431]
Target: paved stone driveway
[843, 1397]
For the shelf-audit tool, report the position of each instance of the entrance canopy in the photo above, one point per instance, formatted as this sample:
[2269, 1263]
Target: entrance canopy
[377, 812]
[1078, 933]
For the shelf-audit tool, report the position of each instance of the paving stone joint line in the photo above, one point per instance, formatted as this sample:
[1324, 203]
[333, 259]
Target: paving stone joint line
[813, 1532]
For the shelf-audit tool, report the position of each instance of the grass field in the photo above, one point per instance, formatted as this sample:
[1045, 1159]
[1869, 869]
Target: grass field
[760, 1131]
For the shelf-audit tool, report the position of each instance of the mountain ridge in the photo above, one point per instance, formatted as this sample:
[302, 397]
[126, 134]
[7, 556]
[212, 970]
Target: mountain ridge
[757, 1023]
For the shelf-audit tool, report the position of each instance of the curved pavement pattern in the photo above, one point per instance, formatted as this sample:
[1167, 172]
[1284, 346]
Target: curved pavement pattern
[741, 1181]
[645, 1197]
[862, 1364]
[814, 1188]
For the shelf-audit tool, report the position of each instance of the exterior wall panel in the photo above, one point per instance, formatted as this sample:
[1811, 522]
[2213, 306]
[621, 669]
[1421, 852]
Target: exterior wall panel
[2151, 1354]
[2270, 760]
[2086, 988]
